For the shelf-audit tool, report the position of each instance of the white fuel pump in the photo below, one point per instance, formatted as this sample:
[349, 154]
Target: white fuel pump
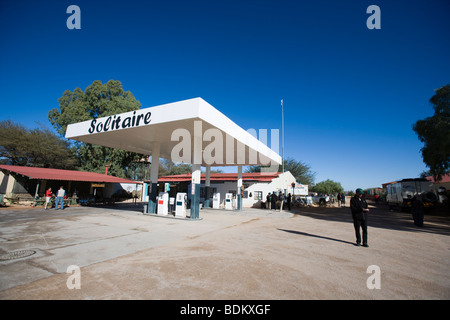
[163, 203]
[228, 201]
[180, 205]
[216, 200]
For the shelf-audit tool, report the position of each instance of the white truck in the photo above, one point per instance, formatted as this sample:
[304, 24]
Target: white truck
[400, 193]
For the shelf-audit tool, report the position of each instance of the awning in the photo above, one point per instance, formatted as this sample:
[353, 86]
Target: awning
[169, 124]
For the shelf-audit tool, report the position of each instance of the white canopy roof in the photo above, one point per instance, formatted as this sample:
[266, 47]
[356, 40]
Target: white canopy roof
[136, 131]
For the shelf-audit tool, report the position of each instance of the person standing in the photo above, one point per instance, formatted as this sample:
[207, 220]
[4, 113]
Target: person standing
[359, 209]
[274, 199]
[342, 200]
[48, 196]
[60, 198]
[289, 198]
[281, 199]
[417, 210]
[268, 201]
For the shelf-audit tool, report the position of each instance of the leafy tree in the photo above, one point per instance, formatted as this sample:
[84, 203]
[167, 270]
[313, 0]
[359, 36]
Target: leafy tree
[302, 172]
[139, 170]
[98, 100]
[12, 139]
[169, 168]
[34, 147]
[328, 187]
[434, 132]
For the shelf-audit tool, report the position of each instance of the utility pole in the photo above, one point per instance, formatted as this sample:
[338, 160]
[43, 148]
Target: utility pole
[282, 134]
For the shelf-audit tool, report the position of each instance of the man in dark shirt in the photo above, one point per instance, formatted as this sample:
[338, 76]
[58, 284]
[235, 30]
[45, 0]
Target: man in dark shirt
[358, 206]
[274, 199]
[268, 200]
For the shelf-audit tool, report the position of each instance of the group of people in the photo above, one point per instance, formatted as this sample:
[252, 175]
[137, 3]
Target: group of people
[60, 196]
[274, 201]
[341, 199]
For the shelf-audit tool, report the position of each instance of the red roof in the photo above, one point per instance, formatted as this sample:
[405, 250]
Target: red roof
[253, 176]
[63, 175]
[445, 178]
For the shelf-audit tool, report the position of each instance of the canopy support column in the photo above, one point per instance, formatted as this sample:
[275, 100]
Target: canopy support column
[207, 186]
[240, 189]
[196, 172]
[195, 192]
[153, 185]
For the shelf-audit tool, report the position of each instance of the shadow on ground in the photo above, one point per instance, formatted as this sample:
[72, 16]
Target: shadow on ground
[316, 236]
[381, 217]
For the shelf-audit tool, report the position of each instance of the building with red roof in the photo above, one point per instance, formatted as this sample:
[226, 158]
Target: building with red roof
[444, 182]
[27, 182]
[256, 185]
[253, 176]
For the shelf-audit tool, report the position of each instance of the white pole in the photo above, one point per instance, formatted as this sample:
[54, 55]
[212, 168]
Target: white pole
[282, 133]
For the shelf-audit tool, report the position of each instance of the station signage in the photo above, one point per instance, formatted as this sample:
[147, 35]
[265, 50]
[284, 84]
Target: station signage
[97, 185]
[120, 121]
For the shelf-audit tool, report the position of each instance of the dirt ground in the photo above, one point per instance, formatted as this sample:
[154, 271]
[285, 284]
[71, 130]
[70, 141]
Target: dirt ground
[257, 254]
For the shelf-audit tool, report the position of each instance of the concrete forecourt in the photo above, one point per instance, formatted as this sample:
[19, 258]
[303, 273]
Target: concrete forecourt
[308, 253]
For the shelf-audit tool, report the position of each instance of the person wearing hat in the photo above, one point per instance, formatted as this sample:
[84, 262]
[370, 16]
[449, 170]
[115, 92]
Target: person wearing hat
[359, 208]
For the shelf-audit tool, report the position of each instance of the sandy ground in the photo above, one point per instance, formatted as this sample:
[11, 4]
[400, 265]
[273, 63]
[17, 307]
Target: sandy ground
[253, 254]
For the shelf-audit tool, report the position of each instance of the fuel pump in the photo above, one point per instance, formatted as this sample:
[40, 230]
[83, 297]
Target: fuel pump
[216, 200]
[228, 201]
[180, 205]
[163, 203]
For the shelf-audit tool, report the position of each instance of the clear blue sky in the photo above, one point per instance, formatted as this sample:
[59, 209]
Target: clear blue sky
[350, 94]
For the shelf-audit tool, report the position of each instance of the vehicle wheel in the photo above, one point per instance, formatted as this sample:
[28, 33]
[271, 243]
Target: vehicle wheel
[429, 197]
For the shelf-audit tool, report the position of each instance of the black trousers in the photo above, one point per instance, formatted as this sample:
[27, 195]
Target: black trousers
[360, 224]
[418, 217]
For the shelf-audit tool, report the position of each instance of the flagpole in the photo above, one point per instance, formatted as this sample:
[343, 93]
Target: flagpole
[282, 134]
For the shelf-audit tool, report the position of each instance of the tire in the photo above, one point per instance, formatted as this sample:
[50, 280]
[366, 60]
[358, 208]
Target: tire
[429, 197]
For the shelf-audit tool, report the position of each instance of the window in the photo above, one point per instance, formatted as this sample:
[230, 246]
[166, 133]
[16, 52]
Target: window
[257, 195]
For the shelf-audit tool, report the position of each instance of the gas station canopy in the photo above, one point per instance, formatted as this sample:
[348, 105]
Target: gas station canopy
[208, 131]
[189, 131]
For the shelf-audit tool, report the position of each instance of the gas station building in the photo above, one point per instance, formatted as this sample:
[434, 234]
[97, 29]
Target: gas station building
[222, 185]
[189, 131]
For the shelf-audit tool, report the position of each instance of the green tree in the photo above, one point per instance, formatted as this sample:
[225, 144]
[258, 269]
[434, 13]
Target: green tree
[13, 138]
[328, 187]
[434, 132]
[169, 168]
[301, 171]
[98, 100]
[34, 147]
